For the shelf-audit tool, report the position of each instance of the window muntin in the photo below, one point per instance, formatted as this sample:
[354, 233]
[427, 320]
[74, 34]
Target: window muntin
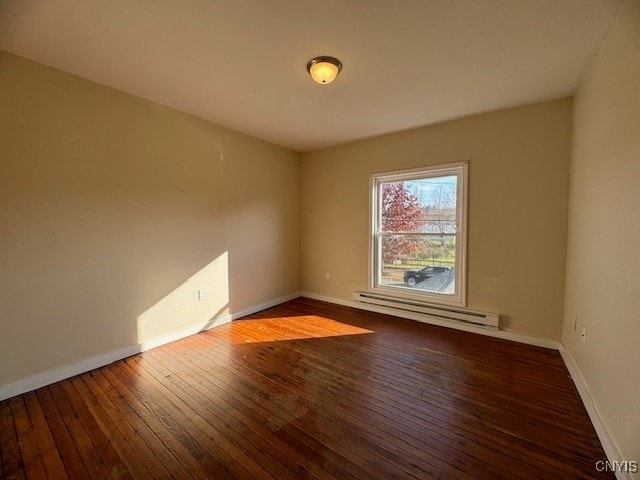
[418, 244]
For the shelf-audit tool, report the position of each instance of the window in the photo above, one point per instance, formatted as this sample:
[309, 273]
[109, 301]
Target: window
[418, 241]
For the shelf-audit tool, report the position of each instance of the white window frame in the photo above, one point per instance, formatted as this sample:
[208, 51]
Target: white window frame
[458, 169]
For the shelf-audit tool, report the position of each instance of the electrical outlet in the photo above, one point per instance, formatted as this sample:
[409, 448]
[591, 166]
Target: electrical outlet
[584, 335]
[327, 276]
[202, 293]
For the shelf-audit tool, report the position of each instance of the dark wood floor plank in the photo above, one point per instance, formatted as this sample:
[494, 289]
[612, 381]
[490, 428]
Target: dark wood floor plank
[322, 379]
[449, 371]
[156, 443]
[101, 443]
[394, 425]
[395, 416]
[12, 466]
[135, 451]
[31, 457]
[241, 429]
[279, 413]
[525, 450]
[241, 457]
[205, 443]
[281, 432]
[310, 390]
[65, 443]
[92, 460]
[109, 430]
[186, 449]
[387, 382]
[549, 355]
[370, 440]
[50, 457]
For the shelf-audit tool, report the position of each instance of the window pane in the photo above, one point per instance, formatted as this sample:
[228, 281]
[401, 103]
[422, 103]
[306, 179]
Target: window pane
[418, 262]
[418, 233]
[424, 205]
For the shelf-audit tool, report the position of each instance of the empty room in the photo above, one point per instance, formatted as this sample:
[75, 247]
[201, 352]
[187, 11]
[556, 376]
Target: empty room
[341, 239]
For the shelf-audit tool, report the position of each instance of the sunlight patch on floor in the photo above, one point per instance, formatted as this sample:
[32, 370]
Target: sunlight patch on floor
[286, 328]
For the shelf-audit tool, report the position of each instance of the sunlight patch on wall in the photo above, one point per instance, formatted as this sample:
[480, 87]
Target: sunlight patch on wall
[286, 328]
[183, 307]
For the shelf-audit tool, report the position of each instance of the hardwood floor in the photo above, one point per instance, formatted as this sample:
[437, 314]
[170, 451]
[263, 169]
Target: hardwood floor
[309, 390]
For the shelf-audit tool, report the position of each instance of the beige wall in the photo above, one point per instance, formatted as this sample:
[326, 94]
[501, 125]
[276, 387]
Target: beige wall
[114, 211]
[518, 189]
[603, 261]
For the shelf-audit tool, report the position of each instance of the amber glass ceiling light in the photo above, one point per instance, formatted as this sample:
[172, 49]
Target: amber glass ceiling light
[324, 69]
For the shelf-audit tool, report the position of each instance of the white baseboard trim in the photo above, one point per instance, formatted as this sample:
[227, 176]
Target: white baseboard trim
[513, 336]
[52, 376]
[610, 448]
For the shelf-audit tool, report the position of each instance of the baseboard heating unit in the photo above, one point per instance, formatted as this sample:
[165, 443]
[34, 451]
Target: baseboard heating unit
[425, 311]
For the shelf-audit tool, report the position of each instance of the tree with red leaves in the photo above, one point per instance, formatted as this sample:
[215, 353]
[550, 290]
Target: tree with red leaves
[401, 212]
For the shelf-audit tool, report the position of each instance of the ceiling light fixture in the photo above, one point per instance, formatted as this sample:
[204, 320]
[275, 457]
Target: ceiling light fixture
[324, 69]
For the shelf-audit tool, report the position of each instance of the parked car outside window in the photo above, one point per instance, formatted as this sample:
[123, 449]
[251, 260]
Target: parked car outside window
[413, 277]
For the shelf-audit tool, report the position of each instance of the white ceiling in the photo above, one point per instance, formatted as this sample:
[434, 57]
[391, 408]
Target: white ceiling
[241, 63]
